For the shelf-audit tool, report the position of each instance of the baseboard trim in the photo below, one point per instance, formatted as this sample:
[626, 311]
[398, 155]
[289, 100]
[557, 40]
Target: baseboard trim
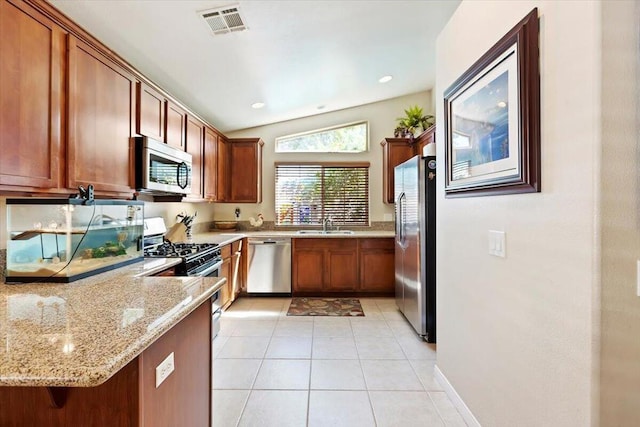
[457, 401]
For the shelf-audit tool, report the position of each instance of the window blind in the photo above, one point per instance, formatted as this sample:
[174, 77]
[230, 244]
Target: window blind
[308, 193]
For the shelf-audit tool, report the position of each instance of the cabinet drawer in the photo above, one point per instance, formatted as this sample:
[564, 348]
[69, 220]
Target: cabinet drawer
[225, 251]
[331, 243]
[379, 243]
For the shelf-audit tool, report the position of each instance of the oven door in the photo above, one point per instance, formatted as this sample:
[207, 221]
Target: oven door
[212, 270]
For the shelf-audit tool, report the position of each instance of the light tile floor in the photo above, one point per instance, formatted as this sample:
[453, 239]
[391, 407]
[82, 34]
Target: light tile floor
[271, 369]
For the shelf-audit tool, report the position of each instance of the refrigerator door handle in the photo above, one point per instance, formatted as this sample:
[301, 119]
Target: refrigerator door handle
[400, 220]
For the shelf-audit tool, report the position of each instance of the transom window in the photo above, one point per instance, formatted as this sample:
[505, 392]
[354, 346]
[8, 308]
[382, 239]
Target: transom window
[349, 138]
[307, 193]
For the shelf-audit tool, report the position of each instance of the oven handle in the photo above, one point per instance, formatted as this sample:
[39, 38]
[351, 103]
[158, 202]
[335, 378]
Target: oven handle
[209, 270]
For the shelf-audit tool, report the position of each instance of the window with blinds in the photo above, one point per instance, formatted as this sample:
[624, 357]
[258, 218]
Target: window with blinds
[308, 193]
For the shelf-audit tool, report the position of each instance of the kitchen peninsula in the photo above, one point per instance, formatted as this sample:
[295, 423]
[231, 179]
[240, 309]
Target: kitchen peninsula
[112, 349]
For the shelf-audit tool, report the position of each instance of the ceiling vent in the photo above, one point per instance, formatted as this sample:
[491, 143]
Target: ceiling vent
[223, 20]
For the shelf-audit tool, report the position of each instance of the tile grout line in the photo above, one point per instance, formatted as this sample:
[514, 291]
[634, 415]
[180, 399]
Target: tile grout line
[244, 407]
[364, 378]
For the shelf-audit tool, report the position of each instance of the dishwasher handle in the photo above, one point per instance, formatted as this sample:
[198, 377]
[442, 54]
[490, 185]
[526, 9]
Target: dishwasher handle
[269, 241]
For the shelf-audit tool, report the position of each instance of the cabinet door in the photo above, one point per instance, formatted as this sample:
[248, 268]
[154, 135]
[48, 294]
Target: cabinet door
[308, 270]
[226, 291]
[31, 97]
[210, 164]
[223, 169]
[101, 121]
[176, 125]
[427, 137]
[342, 270]
[377, 268]
[195, 141]
[184, 398]
[395, 151]
[245, 157]
[150, 112]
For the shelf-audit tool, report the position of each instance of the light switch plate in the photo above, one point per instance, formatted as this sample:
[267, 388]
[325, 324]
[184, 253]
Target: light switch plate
[164, 369]
[388, 217]
[497, 243]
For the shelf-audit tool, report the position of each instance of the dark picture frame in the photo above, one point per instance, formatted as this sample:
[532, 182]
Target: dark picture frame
[492, 119]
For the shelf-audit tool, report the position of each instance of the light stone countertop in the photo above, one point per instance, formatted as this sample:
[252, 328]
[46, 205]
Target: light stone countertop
[224, 238]
[80, 334]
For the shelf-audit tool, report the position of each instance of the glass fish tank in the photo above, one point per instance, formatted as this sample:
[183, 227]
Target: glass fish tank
[62, 240]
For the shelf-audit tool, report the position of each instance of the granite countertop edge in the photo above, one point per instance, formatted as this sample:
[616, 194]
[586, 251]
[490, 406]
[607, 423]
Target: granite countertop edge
[79, 374]
[226, 237]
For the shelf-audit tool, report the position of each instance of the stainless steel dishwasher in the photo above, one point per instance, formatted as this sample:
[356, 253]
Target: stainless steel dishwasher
[269, 265]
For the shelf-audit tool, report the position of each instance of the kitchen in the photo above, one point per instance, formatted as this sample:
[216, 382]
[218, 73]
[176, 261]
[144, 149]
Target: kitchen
[214, 161]
[553, 380]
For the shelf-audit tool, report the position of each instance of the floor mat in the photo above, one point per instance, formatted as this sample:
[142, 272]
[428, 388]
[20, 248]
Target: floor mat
[325, 307]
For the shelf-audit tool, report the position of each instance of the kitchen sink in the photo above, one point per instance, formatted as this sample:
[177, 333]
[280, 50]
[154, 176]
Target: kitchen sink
[322, 232]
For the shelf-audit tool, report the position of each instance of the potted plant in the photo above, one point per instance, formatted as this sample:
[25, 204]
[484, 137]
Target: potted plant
[414, 122]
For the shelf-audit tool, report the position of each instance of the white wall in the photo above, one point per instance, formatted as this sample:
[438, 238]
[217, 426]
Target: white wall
[620, 379]
[516, 335]
[382, 121]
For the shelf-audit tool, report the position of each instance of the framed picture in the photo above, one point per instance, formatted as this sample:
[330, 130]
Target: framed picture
[492, 119]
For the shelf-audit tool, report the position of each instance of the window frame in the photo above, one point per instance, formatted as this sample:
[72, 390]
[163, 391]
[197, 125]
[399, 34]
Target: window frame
[323, 164]
[329, 128]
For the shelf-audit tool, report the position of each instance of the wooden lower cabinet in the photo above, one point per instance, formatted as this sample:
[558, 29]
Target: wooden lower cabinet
[225, 271]
[307, 269]
[234, 269]
[377, 264]
[336, 266]
[130, 397]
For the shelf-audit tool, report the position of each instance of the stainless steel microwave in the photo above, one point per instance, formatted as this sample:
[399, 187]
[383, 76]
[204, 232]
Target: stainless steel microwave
[161, 168]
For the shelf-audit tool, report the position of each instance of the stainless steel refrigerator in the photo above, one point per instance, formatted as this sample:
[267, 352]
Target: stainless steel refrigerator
[414, 182]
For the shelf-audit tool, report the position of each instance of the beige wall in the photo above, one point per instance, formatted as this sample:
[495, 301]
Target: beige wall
[620, 359]
[382, 120]
[516, 334]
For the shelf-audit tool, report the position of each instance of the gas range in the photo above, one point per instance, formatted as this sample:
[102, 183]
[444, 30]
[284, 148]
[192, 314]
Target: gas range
[198, 259]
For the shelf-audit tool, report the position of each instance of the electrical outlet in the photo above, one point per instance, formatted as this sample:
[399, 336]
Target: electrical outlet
[497, 243]
[388, 217]
[164, 369]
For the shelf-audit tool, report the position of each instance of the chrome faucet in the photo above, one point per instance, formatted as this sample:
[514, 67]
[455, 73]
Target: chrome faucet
[326, 223]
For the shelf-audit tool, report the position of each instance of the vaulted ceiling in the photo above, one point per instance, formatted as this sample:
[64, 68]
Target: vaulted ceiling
[299, 58]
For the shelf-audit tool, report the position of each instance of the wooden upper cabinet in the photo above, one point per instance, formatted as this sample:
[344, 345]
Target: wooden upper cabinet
[150, 114]
[32, 67]
[159, 118]
[394, 152]
[101, 121]
[223, 169]
[194, 142]
[426, 137]
[398, 150]
[210, 164]
[175, 125]
[245, 177]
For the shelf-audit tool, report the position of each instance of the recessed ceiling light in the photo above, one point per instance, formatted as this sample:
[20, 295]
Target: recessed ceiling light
[257, 105]
[385, 79]
[320, 107]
